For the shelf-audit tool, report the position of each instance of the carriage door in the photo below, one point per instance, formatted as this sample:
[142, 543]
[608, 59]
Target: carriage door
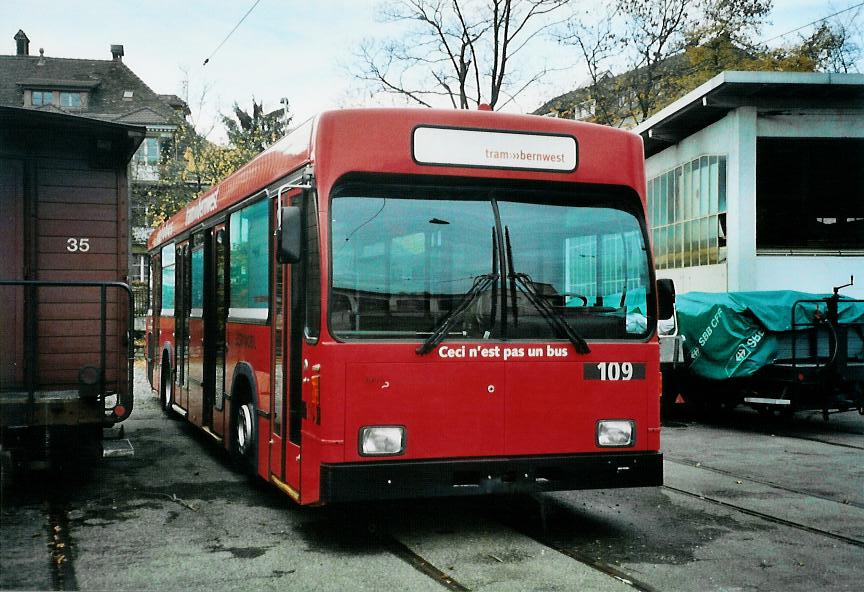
[12, 268]
[215, 313]
[284, 442]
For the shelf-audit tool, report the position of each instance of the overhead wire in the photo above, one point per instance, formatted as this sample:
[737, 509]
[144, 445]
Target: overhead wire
[231, 32]
[824, 18]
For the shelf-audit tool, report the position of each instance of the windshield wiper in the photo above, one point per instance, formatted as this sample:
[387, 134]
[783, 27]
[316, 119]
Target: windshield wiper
[480, 285]
[555, 319]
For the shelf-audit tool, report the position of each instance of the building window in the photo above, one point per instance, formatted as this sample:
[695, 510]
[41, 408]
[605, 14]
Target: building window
[809, 194]
[687, 211]
[139, 271]
[585, 109]
[138, 217]
[70, 99]
[41, 97]
[148, 152]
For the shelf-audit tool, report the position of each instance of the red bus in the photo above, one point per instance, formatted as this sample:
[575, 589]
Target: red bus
[394, 303]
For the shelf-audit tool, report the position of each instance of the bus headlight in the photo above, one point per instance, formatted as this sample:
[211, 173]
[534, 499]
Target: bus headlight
[616, 433]
[382, 440]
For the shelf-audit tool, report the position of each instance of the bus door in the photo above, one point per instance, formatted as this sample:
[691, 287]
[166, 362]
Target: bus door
[196, 327]
[285, 439]
[155, 317]
[215, 314]
[182, 301]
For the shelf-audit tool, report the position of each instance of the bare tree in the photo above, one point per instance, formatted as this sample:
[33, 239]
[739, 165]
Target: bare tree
[646, 42]
[735, 20]
[597, 44]
[462, 51]
[655, 29]
[835, 45]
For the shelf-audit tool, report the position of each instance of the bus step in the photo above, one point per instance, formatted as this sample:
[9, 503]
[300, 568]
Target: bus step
[117, 448]
[764, 401]
[212, 434]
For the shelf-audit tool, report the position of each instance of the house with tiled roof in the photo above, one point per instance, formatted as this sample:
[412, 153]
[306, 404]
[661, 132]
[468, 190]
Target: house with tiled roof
[106, 90]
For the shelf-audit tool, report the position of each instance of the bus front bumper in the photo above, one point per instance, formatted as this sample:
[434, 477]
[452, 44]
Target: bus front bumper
[394, 479]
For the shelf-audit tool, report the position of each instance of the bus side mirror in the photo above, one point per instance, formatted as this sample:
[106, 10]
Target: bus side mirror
[289, 237]
[665, 298]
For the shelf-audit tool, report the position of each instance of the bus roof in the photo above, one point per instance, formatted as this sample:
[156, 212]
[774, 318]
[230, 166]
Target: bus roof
[382, 140]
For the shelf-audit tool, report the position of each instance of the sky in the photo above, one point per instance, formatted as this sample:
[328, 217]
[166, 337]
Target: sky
[299, 50]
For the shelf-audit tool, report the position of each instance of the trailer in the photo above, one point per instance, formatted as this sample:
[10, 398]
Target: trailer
[777, 351]
[66, 313]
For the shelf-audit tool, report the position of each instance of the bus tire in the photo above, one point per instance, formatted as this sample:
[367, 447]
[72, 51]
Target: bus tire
[244, 437]
[166, 386]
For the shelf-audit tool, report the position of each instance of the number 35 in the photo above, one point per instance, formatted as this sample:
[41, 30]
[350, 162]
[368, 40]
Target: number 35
[78, 245]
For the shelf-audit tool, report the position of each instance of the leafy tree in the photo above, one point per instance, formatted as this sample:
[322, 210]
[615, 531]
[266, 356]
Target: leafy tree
[665, 48]
[462, 51]
[251, 133]
[646, 39]
[833, 47]
[654, 31]
[191, 163]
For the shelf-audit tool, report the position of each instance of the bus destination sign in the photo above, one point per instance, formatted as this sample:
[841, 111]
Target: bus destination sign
[494, 149]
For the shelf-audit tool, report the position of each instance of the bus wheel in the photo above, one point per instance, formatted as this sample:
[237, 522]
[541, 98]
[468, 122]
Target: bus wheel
[245, 439]
[166, 387]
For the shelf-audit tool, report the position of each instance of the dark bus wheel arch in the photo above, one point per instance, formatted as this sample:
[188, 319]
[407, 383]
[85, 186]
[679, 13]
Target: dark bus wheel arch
[244, 422]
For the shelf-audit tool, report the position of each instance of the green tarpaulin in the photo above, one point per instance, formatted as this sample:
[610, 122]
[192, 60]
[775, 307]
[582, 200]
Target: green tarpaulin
[734, 334]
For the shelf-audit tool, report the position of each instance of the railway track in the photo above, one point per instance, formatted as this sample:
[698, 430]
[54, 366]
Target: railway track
[60, 546]
[606, 568]
[535, 528]
[767, 517]
[785, 431]
[581, 540]
[529, 519]
[699, 465]
[448, 581]
[403, 552]
[820, 440]
[517, 526]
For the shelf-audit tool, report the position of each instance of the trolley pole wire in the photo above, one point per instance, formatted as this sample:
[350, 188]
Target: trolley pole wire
[819, 20]
[231, 32]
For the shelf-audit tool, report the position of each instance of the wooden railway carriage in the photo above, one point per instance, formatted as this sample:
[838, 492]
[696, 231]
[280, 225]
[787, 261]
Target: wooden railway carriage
[65, 349]
[394, 303]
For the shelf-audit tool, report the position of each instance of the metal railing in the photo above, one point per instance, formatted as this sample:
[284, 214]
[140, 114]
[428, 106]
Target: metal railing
[141, 294]
[31, 337]
[825, 360]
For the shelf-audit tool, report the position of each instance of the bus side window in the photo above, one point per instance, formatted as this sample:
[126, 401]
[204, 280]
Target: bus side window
[155, 284]
[249, 234]
[168, 278]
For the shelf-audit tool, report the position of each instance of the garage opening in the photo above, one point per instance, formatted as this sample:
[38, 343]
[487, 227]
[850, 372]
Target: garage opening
[809, 194]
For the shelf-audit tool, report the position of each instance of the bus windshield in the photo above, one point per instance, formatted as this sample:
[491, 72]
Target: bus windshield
[404, 257]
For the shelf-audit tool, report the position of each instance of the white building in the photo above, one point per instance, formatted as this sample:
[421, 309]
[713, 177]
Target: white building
[756, 182]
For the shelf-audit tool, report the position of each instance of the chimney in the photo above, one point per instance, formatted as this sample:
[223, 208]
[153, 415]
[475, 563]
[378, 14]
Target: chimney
[22, 44]
[117, 53]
